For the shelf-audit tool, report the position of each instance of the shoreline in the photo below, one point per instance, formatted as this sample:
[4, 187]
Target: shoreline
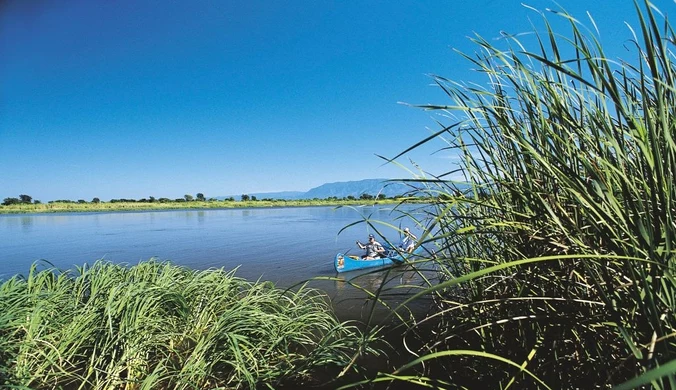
[62, 207]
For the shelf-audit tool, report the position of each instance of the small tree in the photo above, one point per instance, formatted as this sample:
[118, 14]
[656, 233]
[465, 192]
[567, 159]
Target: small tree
[96, 200]
[245, 197]
[188, 198]
[253, 197]
[200, 197]
[11, 201]
[25, 199]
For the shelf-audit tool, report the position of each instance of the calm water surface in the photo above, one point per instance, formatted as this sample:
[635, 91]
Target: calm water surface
[282, 245]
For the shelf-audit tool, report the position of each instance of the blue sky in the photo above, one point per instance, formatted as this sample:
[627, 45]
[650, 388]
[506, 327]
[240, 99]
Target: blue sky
[130, 99]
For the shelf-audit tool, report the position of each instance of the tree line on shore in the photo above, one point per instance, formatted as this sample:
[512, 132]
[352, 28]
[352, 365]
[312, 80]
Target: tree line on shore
[199, 197]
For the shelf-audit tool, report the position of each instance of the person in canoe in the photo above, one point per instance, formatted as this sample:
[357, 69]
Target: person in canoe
[408, 241]
[374, 249]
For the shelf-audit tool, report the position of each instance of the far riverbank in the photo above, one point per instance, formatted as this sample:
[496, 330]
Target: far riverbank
[64, 207]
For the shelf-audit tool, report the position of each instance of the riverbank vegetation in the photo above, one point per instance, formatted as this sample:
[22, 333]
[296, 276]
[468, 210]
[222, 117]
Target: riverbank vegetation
[161, 204]
[559, 261]
[158, 326]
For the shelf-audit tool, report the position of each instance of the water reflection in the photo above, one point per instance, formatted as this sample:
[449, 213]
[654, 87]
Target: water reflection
[356, 294]
[26, 223]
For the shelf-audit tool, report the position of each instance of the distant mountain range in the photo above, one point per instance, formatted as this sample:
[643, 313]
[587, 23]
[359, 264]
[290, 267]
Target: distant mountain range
[340, 190]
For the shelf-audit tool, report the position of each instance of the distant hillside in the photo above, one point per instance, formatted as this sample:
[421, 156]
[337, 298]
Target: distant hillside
[339, 190]
[357, 188]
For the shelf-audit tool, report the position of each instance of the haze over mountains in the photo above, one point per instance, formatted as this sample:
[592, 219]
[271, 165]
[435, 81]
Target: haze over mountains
[340, 190]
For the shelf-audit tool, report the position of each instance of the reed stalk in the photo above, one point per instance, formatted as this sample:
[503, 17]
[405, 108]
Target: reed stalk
[556, 244]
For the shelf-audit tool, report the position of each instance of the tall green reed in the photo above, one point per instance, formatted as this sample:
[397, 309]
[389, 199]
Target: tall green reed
[157, 325]
[558, 247]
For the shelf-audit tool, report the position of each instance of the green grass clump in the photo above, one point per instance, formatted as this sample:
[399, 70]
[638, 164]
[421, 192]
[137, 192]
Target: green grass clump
[557, 252]
[157, 325]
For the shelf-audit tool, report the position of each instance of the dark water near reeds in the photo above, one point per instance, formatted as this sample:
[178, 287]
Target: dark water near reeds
[282, 245]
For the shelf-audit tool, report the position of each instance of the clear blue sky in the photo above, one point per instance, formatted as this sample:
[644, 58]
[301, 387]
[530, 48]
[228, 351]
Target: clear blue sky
[130, 99]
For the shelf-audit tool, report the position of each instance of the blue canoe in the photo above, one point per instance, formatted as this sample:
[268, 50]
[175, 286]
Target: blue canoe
[345, 263]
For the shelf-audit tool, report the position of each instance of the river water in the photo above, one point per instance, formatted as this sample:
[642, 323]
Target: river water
[282, 245]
